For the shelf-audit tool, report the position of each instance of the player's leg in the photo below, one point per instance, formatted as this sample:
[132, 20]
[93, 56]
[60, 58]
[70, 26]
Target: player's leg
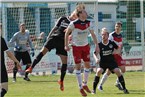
[63, 71]
[50, 43]
[77, 59]
[96, 79]
[4, 88]
[43, 51]
[121, 65]
[62, 53]
[86, 59]
[26, 59]
[103, 79]
[121, 80]
[4, 81]
[15, 69]
[86, 75]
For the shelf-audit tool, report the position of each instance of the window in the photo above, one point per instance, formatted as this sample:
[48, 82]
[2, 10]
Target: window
[106, 16]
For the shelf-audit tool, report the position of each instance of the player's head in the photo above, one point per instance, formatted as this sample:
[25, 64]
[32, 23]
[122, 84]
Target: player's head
[81, 12]
[22, 27]
[104, 34]
[118, 27]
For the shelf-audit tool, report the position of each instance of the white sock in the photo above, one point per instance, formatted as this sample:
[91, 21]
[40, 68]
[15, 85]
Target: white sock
[86, 75]
[79, 78]
[103, 79]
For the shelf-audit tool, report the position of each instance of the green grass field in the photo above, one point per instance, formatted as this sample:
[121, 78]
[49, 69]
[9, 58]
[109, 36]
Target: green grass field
[47, 86]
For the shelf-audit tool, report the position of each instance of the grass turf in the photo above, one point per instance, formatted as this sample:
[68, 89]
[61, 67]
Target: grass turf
[47, 86]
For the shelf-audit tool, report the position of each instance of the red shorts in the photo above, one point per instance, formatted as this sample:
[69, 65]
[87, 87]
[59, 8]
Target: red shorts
[81, 52]
[119, 60]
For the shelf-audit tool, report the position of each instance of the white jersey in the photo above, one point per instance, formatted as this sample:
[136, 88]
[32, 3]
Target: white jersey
[80, 31]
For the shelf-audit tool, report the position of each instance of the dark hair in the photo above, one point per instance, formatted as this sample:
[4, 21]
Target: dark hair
[119, 23]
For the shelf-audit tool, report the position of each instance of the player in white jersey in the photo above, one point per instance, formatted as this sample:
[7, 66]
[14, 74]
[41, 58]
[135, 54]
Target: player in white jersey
[79, 30]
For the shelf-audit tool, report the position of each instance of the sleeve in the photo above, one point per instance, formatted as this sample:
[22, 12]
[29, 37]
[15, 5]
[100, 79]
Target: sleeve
[110, 37]
[58, 22]
[4, 45]
[92, 25]
[13, 39]
[115, 45]
[71, 25]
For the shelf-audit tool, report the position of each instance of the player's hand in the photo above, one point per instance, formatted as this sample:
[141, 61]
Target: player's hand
[97, 61]
[67, 48]
[18, 48]
[18, 65]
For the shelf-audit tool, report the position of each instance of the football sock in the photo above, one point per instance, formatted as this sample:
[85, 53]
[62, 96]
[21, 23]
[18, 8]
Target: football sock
[79, 78]
[3, 92]
[63, 71]
[86, 75]
[103, 79]
[37, 59]
[122, 82]
[117, 80]
[96, 81]
[15, 70]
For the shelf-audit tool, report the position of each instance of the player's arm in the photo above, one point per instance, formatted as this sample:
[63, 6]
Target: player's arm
[57, 24]
[12, 57]
[52, 31]
[12, 40]
[96, 57]
[67, 33]
[117, 48]
[95, 40]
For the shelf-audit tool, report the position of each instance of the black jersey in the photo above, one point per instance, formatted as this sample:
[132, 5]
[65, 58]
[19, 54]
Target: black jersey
[106, 51]
[62, 24]
[4, 47]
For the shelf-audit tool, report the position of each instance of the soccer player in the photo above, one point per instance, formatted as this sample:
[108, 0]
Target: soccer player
[107, 61]
[4, 75]
[55, 40]
[21, 51]
[117, 38]
[79, 30]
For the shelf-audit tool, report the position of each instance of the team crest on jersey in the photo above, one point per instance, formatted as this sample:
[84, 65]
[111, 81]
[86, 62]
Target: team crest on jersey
[110, 46]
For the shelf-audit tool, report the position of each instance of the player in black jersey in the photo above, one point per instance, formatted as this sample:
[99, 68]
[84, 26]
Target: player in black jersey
[3, 72]
[55, 40]
[107, 61]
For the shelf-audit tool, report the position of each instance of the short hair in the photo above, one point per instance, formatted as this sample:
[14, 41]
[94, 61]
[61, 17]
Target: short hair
[119, 23]
[21, 24]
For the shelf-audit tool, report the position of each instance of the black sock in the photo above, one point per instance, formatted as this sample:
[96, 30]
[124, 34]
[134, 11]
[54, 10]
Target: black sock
[122, 82]
[3, 92]
[26, 73]
[96, 81]
[63, 71]
[15, 70]
[37, 59]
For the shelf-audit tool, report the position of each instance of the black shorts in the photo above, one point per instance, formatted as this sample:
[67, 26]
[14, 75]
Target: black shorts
[24, 56]
[110, 65]
[4, 75]
[56, 43]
